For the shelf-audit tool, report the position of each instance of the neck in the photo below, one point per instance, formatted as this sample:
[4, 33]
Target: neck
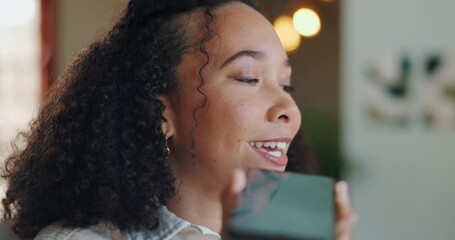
[197, 206]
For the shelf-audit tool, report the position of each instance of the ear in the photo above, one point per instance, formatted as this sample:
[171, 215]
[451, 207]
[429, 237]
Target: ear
[167, 126]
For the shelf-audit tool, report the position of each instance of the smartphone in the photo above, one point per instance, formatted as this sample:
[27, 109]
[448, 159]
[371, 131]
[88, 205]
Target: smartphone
[277, 205]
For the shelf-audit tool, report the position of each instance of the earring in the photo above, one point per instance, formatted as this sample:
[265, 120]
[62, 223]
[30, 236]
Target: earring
[167, 147]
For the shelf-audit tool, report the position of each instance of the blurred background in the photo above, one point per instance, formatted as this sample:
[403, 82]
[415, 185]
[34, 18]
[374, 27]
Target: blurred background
[375, 81]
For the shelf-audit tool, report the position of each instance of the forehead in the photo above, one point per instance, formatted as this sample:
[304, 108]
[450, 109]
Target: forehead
[238, 27]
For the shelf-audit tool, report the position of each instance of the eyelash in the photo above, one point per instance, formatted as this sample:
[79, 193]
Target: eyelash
[251, 81]
[254, 81]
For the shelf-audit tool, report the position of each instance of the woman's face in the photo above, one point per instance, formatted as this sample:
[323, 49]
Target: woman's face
[249, 118]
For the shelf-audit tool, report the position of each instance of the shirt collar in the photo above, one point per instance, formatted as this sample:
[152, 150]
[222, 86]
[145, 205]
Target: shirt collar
[170, 224]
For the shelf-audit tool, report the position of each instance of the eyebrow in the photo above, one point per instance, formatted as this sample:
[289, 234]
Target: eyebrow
[249, 53]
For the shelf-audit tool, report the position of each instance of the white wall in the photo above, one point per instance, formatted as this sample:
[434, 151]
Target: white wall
[20, 83]
[403, 179]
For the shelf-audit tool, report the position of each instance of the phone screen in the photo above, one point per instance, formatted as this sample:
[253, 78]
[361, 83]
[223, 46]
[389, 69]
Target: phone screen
[276, 205]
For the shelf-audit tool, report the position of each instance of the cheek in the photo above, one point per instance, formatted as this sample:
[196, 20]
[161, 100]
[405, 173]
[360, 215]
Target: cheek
[238, 119]
[298, 121]
[237, 123]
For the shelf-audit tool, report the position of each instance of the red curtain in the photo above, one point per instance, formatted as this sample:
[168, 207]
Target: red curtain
[47, 42]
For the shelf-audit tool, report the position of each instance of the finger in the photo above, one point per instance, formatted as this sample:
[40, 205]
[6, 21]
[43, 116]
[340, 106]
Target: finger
[230, 196]
[342, 200]
[346, 218]
[344, 227]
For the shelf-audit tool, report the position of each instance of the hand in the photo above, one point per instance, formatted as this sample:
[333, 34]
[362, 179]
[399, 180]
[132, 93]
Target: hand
[346, 218]
[229, 198]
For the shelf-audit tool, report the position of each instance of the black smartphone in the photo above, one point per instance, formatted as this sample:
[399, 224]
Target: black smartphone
[277, 205]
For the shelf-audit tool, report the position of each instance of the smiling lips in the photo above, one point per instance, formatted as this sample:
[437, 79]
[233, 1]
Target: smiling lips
[273, 151]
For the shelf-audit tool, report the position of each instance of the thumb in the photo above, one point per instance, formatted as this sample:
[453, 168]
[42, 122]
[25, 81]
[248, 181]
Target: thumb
[229, 198]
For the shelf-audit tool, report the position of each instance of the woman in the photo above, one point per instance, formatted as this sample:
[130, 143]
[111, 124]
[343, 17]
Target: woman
[142, 136]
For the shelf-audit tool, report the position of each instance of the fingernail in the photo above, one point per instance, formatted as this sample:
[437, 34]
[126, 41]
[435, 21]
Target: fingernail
[344, 191]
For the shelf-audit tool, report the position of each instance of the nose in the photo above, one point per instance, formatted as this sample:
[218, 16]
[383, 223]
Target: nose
[283, 109]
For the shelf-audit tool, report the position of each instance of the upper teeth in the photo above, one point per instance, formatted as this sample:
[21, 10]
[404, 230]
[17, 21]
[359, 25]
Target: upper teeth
[279, 145]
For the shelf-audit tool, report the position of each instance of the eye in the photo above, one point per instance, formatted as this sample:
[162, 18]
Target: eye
[250, 81]
[288, 88]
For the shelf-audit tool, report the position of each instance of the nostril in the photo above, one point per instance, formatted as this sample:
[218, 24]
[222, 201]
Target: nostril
[284, 117]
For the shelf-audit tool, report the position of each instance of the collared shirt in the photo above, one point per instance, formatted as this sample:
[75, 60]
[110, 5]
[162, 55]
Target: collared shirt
[171, 227]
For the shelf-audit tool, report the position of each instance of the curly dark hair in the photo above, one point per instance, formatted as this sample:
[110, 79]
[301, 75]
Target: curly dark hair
[96, 150]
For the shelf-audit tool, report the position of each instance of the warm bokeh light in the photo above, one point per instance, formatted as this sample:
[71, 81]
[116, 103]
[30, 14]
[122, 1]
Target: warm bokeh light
[307, 22]
[289, 37]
